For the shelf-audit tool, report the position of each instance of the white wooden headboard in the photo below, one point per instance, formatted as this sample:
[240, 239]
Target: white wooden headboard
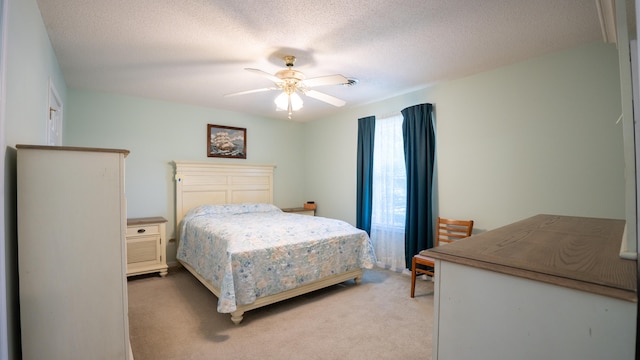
[199, 183]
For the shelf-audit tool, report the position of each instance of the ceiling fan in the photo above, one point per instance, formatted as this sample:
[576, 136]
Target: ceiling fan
[291, 82]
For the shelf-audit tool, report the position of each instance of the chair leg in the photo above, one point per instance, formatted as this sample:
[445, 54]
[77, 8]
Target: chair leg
[413, 276]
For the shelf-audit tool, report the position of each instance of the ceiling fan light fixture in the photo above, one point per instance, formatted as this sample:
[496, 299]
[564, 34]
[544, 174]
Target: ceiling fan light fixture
[293, 82]
[282, 101]
[296, 102]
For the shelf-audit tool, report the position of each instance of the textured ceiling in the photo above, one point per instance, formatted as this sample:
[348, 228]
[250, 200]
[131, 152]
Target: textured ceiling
[194, 51]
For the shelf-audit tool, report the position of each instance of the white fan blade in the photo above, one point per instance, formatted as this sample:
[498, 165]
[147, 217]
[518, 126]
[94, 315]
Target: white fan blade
[326, 80]
[324, 97]
[271, 77]
[250, 91]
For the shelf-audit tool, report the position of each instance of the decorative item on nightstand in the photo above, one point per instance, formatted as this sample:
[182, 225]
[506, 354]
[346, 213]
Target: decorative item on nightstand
[146, 246]
[310, 205]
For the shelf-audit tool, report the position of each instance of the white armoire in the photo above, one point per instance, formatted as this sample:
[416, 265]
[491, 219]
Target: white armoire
[71, 253]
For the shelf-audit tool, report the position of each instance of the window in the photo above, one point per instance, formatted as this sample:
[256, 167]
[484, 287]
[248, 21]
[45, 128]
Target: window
[389, 193]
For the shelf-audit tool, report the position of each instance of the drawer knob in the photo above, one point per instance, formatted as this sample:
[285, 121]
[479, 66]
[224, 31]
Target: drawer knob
[140, 231]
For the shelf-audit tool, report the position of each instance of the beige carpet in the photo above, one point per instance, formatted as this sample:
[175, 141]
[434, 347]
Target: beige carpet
[176, 318]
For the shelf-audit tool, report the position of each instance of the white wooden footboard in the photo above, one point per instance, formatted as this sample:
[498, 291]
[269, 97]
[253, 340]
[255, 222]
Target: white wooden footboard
[237, 315]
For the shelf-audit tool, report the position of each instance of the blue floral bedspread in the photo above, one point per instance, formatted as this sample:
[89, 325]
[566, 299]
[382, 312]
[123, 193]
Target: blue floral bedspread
[253, 250]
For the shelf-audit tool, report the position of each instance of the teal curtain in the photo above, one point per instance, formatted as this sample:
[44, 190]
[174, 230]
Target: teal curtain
[366, 136]
[419, 149]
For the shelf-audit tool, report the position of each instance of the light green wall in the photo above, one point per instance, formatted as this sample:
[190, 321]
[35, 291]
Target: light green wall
[158, 133]
[540, 137]
[31, 62]
[535, 137]
[30, 65]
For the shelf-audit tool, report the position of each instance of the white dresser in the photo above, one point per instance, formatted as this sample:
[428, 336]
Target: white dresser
[546, 287]
[71, 253]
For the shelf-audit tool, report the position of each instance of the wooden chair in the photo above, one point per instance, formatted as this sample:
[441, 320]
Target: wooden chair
[447, 231]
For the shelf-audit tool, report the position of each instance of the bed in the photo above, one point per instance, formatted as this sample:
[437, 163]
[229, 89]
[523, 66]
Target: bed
[248, 252]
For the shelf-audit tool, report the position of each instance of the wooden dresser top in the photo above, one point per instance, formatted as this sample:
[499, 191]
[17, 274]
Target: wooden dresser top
[575, 252]
[72, 148]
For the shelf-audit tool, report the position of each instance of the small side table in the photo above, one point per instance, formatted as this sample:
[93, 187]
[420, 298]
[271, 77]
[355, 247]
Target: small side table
[146, 246]
[301, 211]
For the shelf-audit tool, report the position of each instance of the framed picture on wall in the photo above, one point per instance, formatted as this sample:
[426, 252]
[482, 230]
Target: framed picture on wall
[226, 142]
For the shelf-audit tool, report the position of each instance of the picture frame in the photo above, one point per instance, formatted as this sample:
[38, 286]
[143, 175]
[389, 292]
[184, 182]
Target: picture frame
[226, 141]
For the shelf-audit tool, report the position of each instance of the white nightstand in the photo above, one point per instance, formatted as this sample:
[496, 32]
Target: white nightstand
[146, 246]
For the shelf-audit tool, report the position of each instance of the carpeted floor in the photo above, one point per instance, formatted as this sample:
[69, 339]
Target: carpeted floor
[176, 318]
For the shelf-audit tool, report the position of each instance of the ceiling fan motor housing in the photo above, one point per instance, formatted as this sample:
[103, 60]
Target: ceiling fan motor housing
[290, 75]
[289, 60]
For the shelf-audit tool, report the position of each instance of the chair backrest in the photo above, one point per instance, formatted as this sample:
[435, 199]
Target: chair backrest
[449, 230]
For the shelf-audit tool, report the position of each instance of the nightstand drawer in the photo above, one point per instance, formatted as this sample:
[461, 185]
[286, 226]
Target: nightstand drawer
[151, 229]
